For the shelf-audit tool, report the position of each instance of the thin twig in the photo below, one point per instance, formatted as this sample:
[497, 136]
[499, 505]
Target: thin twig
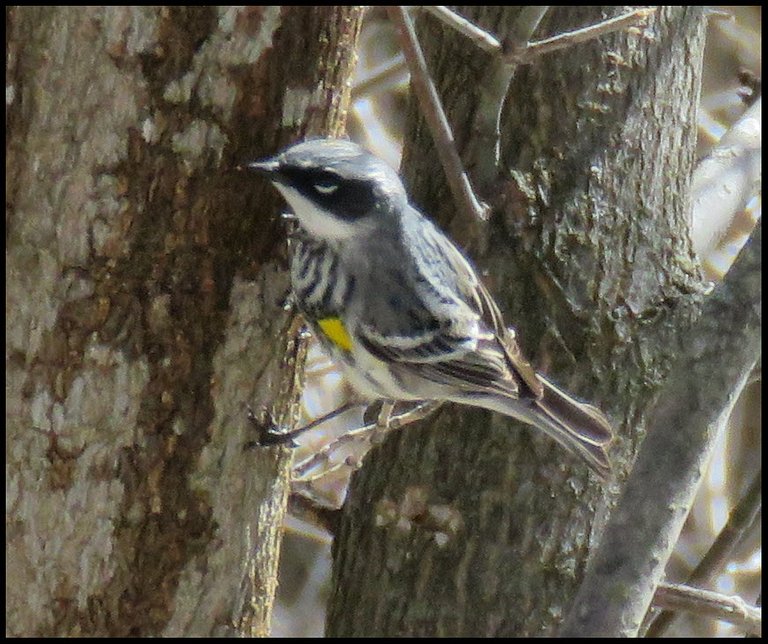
[394, 71]
[494, 87]
[490, 44]
[434, 115]
[480, 37]
[322, 371]
[740, 520]
[727, 608]
[570, 38]
[713, 13]
[525, 25]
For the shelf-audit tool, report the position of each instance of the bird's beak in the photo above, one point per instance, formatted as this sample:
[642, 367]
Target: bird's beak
[267, 167]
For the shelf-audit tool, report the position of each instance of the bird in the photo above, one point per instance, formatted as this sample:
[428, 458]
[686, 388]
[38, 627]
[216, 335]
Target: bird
[400, 307]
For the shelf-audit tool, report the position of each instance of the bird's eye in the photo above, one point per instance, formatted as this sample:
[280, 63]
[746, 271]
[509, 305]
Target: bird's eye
[326, 186]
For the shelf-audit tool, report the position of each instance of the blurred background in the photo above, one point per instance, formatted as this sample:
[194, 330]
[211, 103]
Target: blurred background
[731, 83]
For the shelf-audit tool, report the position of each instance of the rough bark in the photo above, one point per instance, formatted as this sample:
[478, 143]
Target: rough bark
[471, 524]
[145, 286]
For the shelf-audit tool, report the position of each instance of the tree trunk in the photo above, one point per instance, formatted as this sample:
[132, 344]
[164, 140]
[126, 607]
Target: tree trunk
[146, 281]
[472, 525]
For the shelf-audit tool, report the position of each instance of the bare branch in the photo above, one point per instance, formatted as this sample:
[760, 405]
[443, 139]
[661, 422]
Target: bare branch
[713, 13]
[710, 604]
[495, 84]
[392, 72]
[570, 38]
[741, 519]
[432, 110]
[529, 50]
[727, 179]
[714, 361]
[481, 38]
[527, 22]
[484, 156]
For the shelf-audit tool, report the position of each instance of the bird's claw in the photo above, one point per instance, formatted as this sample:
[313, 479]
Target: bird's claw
[266, 431]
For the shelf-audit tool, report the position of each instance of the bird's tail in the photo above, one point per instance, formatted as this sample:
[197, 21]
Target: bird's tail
[581, 428]
[577, 426]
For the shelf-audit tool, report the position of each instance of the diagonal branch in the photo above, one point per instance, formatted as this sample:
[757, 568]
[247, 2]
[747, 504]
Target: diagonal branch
[485, 41]
[727, 179]
[321, 459]
[715, 360]
[508, 57]
[570, 38]
[433, 113]
[381, 79]
[483, 155]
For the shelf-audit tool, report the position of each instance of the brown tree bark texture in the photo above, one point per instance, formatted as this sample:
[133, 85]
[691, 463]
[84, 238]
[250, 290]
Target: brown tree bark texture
[471, 525]
[146, 281]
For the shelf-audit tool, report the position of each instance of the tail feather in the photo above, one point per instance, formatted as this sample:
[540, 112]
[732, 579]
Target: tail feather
[578, 426]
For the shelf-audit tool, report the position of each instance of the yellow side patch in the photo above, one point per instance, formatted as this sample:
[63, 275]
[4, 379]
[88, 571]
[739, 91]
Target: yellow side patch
[336, 332]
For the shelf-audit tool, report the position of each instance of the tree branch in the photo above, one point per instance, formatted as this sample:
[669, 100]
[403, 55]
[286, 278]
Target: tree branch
[735, 610]
[570, 38]
[529, 50]
[484, 153]
[393, 72]
[741, 519]
[303, 470]
[433, 113]
[480, 37]
[714, 362]
[516, 51]
[726, 179]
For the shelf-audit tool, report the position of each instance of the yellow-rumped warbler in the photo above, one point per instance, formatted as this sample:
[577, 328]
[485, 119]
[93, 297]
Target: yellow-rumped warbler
[398, 304]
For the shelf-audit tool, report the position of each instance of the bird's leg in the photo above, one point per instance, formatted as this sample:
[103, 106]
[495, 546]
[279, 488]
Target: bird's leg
[304, 471]
[268, 434]
[383, 421]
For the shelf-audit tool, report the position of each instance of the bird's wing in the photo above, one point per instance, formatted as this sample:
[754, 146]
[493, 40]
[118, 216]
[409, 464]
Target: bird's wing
[466, 341]
[445, 358]
[505, 338]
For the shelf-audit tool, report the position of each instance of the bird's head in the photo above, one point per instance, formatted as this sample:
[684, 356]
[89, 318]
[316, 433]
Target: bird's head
[336, 188]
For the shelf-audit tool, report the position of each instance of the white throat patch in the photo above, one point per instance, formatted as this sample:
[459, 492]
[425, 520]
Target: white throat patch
[318, 222]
